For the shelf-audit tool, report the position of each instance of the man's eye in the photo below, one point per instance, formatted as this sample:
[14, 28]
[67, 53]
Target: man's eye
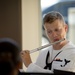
[56, 29]
[49, 31]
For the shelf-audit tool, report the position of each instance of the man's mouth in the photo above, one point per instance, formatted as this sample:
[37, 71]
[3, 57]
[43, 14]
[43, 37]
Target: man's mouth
[56, 40]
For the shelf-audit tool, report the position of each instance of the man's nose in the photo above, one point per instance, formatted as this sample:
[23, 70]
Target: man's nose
[54, 34]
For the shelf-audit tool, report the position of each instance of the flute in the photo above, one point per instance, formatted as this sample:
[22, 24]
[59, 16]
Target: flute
[39, 48]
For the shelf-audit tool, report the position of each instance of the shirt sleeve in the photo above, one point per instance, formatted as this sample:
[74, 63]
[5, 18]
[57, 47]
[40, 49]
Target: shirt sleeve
[35, 68]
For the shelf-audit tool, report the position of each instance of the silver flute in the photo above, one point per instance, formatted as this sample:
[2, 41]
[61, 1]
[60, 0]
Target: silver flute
[40, 48]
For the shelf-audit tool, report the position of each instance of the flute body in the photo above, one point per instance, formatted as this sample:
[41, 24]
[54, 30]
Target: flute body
[40, 48]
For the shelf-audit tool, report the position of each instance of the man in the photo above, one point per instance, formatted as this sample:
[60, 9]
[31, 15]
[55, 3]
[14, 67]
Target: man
[60, 56]
[10, 61]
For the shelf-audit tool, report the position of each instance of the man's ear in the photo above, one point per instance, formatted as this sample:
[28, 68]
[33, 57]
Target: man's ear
[66, 27]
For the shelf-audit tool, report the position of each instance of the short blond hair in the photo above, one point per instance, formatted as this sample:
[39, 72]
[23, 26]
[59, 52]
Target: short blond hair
[52, 16]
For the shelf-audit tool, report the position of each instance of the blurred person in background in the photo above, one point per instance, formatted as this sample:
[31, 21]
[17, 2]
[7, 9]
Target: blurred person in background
[10, 61]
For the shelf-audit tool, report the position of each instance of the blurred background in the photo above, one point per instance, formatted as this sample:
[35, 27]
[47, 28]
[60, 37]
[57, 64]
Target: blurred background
[21, 20]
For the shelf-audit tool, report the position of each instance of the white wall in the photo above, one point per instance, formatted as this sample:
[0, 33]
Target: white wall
[31, 26]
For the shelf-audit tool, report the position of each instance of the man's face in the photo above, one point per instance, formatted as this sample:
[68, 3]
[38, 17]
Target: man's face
[55, 30]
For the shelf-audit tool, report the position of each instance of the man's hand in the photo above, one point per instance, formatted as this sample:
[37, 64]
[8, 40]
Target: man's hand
[25, 55]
